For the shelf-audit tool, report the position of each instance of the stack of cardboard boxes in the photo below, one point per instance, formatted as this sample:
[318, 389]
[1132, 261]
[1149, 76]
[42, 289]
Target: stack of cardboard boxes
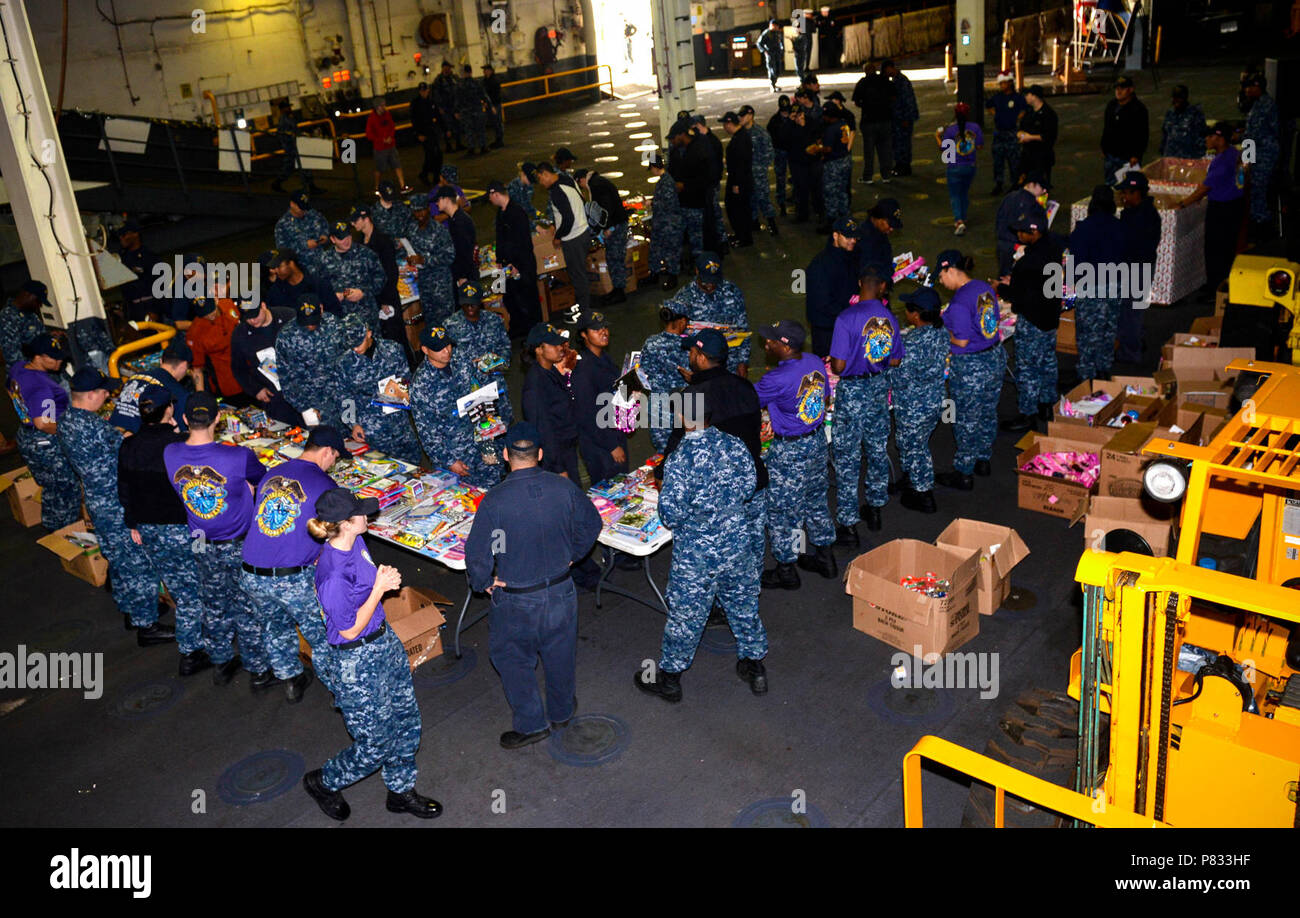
[24, 495]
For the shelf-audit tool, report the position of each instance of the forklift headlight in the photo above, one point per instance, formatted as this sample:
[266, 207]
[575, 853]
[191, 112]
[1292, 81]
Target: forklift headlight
[1279, 283]
[1165, 481]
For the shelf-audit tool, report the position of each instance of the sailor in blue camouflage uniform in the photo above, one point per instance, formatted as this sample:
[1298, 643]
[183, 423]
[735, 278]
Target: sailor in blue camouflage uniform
[1007, 105]
[447, 438]
[434, 253]
[304, 231]
[666, 227]
[92, 445]
[443, 91]
[837, 162]
[707, 481]
[712, 299]
[21, 322]
[760, 202]
[795, 394]
[471, 114]
[906, 115]
[355, 273]
[375, 691]
[1183, 132]
[976, 367]
[919, 390]
[521, 190]
[661, 363]
[865, 347]
[391, 216]
[307, 352]
[40, 402]
[479, 334]
[1263, 128]
[366, 361]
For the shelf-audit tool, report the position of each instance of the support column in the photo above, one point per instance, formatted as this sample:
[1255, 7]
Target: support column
[968, 17]
[369, 86]
[36, 177]
[467, 35]
[674, 56]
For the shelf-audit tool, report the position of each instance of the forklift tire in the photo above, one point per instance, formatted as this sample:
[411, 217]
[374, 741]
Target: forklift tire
[1039, 735]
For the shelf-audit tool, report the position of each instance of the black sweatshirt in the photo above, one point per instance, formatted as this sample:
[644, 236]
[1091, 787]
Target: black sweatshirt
[143, 486]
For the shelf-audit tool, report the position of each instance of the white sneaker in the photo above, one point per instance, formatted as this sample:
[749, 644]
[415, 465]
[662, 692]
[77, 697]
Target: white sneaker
[959, 230]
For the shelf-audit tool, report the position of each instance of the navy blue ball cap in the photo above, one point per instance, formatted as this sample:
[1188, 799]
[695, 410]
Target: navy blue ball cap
[564, 155]
[388, 190]
[339, 504]
[201, 409]
[38, 290]
[47, 345]
[1220, 129]
[889, 209]
[88, 379]
[325, 437]
[469, 293]
[356, 214]
[153, 396]
[709, 267]
[340, 230]
[709, 340]
[874, 272]
[1133, 181]
[787, 331]
[523, 435]
[280, 256]
[847, 226]
[130, 226]
[309, 312]
[435, 337]
[949, 258]
[592, 321]
[544, 333]
[300, 198]
[923, 298]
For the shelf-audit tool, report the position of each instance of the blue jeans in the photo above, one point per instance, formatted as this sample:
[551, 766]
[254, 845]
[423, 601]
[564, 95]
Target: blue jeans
[959, 182]
[523, 627]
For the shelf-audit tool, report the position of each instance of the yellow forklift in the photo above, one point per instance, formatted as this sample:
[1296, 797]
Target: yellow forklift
[1182, 706]
[1263, 299]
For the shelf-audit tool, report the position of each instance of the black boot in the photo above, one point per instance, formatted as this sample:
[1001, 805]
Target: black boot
[153, 634]
[752, 671]
[956, 479]
[226, 671]
[263, 681]
[1045, 411]
[821, 561]
[781, 577]
[413, 803]
[982, 468]
[667, 686]
[513, 739]
[126, 622]
[1019, 424]
[297, 686]
[847, 535]
[331, 803]
[920, 501]
[194, 662]
[871, 516]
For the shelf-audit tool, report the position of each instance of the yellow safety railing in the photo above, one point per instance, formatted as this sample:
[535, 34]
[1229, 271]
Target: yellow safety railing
[1005, 780]
[164, 334]
[547, 92]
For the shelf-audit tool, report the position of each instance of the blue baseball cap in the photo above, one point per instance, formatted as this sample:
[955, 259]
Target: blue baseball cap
[523, 432]
[153, 396]
[324, 436]
[469, 292]
[709, 266]
[709, 340]
[88, 379]
[1133, 181]
[544, 333]
[339, 504]
[300, 198]
[949, 258]
[923, 298]
[435, 337]
[309, 312]
[787, 331]
[47, 345]
[847, 226]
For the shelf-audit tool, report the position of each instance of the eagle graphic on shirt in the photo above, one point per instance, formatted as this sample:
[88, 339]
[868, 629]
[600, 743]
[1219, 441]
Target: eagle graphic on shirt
[20, 405]
[877, 340]
[202, 489]
[812, 398]
[986, 312]
[280, 507]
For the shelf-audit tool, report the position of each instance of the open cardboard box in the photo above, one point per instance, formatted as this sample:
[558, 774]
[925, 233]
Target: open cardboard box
[89, 564]
[1067, 341]
[1215, 392]
[1123, 459]
[903, 618]
[1146, 518]
[24, 495]
[1054, 496]
[999, 548]
[1188, 414]
[1189, 362]
[415, 616]
[1160, 384]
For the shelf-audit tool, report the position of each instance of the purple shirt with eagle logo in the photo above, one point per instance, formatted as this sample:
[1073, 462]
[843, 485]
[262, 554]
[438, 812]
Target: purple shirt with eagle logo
[286, 499]
[794, 394]
[215, 483]
[866, 338]
[972, 316]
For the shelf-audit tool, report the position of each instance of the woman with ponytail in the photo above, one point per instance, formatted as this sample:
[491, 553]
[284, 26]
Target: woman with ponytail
[958, 144]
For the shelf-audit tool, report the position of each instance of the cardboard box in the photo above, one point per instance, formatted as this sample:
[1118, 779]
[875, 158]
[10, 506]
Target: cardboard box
[1000, 548]
[1216, 393]
[1221, 299]
[903, 618]
[1160, 384]
[598, 278]
[638, 257]
[1189, 414]
[89, 564]
[1122, 459]
[1082, 391]
[1053, 496]
[1207, 325]
[24, 495]
[1066, 335]
[549, 254]
[1189, 362]
[415, 617]
[1106, 514]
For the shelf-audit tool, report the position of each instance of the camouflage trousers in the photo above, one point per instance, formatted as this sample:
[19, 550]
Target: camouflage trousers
[916, 414]
[701, 572]
[170, 551]
[132, 574]
[1036, 373]
[473, 129]
[760, 200]
[270, 598]
[780, 167]
[797, 493]
[693, 224]
[1261, 180]
[976, 386]
[60, 490]
[616, 254]
[380, 711]
[1006, 152]
[227, 610]
[861, 421]
[902, 144]
[1096, 322]
[836, 174]
[666, 232]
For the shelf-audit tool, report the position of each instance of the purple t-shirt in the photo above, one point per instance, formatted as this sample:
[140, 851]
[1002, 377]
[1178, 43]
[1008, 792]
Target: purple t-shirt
[866, 338]
[965, 140]
[344, 580]
[794, 394]
[213, 481]
[286, 499]
[1224, 178]
[35, 394]
[972, 316]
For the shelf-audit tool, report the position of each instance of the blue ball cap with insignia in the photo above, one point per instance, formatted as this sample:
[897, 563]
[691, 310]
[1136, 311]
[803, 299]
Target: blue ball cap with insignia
[340, 230]
[450, 173]
[709, 266]
[469, 292]
[88, 379]
[201, 409]
[787, 331]
[309, 313]
[544, 333]
[300, 198]
[176, 351]
[709, 340]
[589, 321]
[435, 337]
[523, 434]
[847, 226]
[1133, 181]
[153, 397]
[949, 258]
[356, 214]
[38, 290]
